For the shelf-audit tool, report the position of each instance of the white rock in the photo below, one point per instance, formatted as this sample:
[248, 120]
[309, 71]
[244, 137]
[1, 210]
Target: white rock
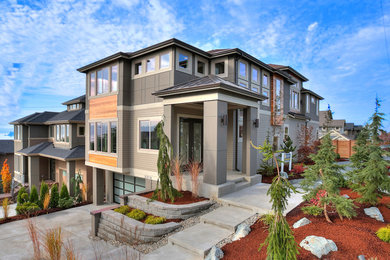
[215, 254]
[242, 230]
[374, 212]
[318, 246]
[346, 196]
[302, 222]
[284, 175]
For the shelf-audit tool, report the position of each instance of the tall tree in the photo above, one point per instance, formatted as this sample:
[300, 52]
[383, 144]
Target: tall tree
[376, 122]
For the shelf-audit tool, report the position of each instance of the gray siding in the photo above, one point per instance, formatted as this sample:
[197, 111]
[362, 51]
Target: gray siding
[142, 88]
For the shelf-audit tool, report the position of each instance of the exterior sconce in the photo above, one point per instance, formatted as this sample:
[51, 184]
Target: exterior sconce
[224, 120]
[256, 123]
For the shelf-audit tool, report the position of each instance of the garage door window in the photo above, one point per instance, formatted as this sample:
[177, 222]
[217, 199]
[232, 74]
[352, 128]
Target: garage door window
[124, 184]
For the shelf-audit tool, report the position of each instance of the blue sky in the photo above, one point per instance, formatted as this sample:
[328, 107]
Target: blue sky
[339, 45]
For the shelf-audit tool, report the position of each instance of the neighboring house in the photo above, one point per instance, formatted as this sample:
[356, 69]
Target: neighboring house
[49, 146]
[213, 104]
[7, 153]
[327, 124]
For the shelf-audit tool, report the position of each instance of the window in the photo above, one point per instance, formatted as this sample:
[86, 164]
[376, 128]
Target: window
[313, 100]
[58, 138]
[92, 136]
[62, 133]
[318, 106]
[183, 61]
[265, 80]
[92, 90]
[242, 69]
[138, 68]
[80, 130]
[201, 67]
[114, 78]
[125, 184]
[113, 137]
[101, 136]
[307, 103]
[285, 131]
[255, 74]
[51, 131]
[278, 90]
[219, 68]
[18, 132]
[294, 100]
[255, 88]
[265, 93]
[242, 84]
[102, 78]
[148, 135]
[67, 133]
[164, 61]
[150, 64]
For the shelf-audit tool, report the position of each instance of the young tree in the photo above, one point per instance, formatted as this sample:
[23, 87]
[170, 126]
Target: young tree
[305, 142]
[328, 174]
[54, 196]
[376, 123]
[287, 145]
[280, 240]
[42, 193]
[77, 180]
[34, 195]
[164, 189]
[360, 157]
[6, 177]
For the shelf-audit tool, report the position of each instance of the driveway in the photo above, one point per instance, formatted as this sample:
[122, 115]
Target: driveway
[75, 224]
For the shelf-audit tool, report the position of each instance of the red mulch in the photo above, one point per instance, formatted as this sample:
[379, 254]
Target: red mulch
[39, 212]
[185, 199]
[353, 237]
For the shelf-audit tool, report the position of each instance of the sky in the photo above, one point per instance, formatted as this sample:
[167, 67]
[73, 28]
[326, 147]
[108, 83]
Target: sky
[342, 47]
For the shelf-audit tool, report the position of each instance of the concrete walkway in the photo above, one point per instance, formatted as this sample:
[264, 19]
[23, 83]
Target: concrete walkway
[75, 225]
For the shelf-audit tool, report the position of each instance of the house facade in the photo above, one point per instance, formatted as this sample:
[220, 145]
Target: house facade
[7, 153]
[338, 128]
[213, 104]
[49, 146]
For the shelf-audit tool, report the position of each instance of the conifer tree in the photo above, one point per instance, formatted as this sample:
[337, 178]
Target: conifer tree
[287, 145]
[54, 196]
[376, 123]
[34, 195]
[329, 174]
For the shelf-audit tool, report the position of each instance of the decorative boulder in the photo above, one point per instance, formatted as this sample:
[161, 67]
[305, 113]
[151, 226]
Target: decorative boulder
[346, 196]
[374, 212]
[215, 254]
[284, 175]
[318, 246]
[242, 230]
[302, 222]
[361, 257]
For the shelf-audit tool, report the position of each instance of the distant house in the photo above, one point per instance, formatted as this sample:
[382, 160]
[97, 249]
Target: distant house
[7, 153]
[349, 131]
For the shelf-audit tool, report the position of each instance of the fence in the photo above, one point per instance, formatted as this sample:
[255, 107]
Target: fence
[344, 148]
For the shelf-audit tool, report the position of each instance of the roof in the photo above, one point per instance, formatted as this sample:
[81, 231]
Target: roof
[47, 149]
[298, 116]
[333, 122]
[284, 67]
[304, 90]
[218, 51]
[6, 146]
[210, 82]
[80, 99]
[352, 127]
[36, 118]
[73, 116]
[334, 135]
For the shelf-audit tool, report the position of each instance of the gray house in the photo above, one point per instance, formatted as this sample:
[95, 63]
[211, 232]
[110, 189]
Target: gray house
[7, 153]
[213, 103]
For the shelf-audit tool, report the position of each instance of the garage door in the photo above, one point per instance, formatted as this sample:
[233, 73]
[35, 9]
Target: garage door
[124, 184]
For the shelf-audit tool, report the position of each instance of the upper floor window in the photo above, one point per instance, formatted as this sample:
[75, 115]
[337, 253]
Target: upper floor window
[148, 135]
[219, 68]
[138, 68]
[113, 136]
[255, 75]
[92, 90]
[102, 137]
[318, 106]
[278, 90]
[313, 100]
[51, 130]
[114, 78]
[265, 80]
[307, 103]
[92, 136]
[164, 61]
[183, 61]
[265, 93]
[201, 67]
[242, 69]
[294, 100]
[18, 132]
[80, 130]
[150, 64]
[102, 80]
[62, 133]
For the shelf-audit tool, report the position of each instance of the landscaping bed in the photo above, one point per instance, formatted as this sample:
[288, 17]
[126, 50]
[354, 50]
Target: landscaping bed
[187, 198]
[353, 237]
[129, 209]
[268, 179]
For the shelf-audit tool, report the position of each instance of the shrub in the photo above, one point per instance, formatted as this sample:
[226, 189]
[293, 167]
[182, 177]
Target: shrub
[43, 191]
[267, 169]
[384, 233]
[27, 208]
[312, 210]
[338, 156]
[46, 201]
[6, 177]
[5, 207]
[20, 199]
[154, 220]
[194, 168]
[64, 194]
[298, 168]
[34, 195]
[65, 203]
[136, 214]
[176, 164]
[267, 219]
[54, 196]
[123, 209]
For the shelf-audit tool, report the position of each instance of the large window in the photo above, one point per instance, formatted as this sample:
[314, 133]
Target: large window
[318, 106]
[102, 137]
[219, 68]
[92, 90]
[278, 89]
[92, 136]
[164, 61]
[265, 92]
[62, 133]
[138, 68]
[242, 69]
[294, 100]
[201, 67]
[148, 135]
[18, 132]
[150, 64]
[265, 80]
[114, 78]
[255, 75]
[104, 80]
[113, 136]
[183, 61]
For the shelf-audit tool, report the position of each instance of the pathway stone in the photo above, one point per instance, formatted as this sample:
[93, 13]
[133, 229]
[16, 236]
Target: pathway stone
[215, 254]
[318, 246]
[242, 231]
[374, 212]
[227, 217]
[302, 222]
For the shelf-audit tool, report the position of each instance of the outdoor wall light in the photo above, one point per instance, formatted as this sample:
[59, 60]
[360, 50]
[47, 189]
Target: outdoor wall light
[256, 123]
[224, 120]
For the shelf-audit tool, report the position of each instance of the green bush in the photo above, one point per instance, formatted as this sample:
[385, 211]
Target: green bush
[43, 191]
[267, 219]
[123, 209]
[312, 210]
[384, 234]
[65, 203]
[34, 195]
[27, 208]
[136, 214]
[338, 156]
[21, 198]
[154, 220]
[64, 194]
[54, 196]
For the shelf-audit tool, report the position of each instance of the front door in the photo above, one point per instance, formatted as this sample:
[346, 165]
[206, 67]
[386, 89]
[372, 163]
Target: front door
[191, 140]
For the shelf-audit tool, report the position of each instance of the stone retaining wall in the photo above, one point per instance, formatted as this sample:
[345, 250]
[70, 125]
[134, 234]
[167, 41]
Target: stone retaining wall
[169, 211]
[111, 225]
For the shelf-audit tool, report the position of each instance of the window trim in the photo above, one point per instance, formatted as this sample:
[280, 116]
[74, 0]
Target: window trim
[155, 64]
[223, 59]
[143, 150]
[78, 130]
[262, 80]
[67, 136]
[246, 69]
[206, 66]
[159, 61]
[257, 82]
[267, 101]
[187, 70]
[292, 100]
[109, 81]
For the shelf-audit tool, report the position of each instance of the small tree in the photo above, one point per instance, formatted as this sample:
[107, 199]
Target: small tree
[305, 143]
[267, 167]
[287, 145]
[54, 196]
[376, 123]
[65, 200]
[164, 189]
[64, 193]
[22, 196]
[6, 177]
[328, 173]
[34, 195]
[77, 180]
[280, 241]
[42, 193]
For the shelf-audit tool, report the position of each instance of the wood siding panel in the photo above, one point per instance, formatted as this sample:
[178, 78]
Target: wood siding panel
[103, 159]
[344, 148]
[104, 107]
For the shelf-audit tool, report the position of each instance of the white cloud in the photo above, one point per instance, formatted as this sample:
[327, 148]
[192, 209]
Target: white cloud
[312, 26]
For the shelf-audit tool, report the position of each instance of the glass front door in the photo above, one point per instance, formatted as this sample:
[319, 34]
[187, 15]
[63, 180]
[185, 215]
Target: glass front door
[191, 140]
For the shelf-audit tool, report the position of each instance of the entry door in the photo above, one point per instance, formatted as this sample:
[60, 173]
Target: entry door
[191, 140]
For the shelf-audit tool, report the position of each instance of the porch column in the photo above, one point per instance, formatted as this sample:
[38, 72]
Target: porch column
[169, 126]
[109, 186]
[249, 154]
[70, 169]
[214, 142]
[98, 186]
[33, 171]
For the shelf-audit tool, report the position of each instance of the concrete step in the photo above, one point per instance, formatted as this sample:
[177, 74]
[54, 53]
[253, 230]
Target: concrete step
[199, 239]
[227, 217]
[237, 180]
[241, 185]
[171, 252]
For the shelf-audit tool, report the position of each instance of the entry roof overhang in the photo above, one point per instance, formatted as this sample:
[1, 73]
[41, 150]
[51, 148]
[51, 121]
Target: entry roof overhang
[47, 149]
[210, 87]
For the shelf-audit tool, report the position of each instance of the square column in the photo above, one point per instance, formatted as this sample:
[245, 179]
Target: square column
[98, 186]
[70, 169]
[169, 125]
[109, 175]
[215, 142]
[33, 171]
[249, 154]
